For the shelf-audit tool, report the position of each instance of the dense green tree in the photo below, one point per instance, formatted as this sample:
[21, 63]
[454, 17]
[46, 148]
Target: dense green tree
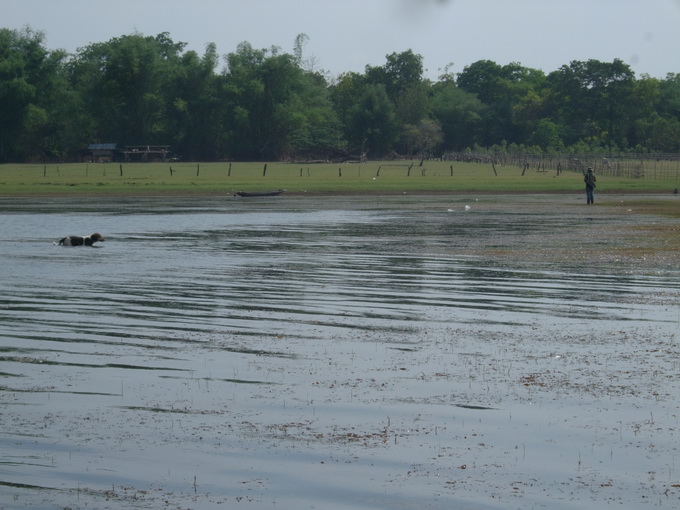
[504, 89]
[17, 92]
[402, 79]
[195, 112]
[283, 108]
[663, 134]
[668, 100]
[245, 94]
[124, 83]
[33, 98]
[277, 109]
[547, 136]
[372, 121]
[484, 79]
[401, 72]
[592, 100]
[344, 95]
[267, 104]
[460, 114]
[319, 136]
[423, 138]
[413, 104]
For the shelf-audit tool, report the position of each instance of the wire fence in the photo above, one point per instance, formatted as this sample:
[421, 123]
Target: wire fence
[664, 167]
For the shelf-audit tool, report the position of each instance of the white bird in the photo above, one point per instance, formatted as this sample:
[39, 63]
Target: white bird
[467, 207]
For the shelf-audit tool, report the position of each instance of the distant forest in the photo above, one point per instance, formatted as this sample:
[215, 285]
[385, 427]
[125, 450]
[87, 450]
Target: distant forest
[266, 104]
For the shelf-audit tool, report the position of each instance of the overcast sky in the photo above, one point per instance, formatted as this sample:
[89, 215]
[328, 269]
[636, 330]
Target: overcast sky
[347, 35]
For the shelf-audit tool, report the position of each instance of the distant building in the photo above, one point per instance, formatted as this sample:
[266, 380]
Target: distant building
[146, 153]
[108, 152]
[100, 153]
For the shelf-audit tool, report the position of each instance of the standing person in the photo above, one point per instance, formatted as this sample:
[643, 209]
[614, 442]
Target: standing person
[589, 179]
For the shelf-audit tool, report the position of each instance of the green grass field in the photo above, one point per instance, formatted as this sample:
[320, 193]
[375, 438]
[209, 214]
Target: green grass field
[371, 177]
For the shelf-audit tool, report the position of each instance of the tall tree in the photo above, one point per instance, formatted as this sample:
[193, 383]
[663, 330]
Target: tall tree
[668, 103]
[373, 121]
[402, 71]
[502, 89]
[423, 138]
[278, 110]
[345, 94]
[402, 79]
[33, 92]
[592, 100]
[460, 114]
[124, 82]
[196, 115]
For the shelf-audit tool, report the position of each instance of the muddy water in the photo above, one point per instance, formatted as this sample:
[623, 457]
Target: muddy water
[336, 353]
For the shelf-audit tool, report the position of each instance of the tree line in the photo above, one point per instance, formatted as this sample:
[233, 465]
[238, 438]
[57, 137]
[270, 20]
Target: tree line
[267, 104]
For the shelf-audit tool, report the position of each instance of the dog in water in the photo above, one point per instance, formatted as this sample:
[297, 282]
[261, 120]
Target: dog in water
[80, 240]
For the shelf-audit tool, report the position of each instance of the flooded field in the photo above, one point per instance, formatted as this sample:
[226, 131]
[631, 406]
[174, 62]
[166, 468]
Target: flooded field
[397, 352]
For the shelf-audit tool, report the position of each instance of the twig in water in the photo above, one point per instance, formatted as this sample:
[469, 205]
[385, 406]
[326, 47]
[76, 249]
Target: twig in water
[387, 427]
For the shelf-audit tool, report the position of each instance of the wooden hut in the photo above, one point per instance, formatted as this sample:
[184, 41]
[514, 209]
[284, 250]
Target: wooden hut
[100, 153]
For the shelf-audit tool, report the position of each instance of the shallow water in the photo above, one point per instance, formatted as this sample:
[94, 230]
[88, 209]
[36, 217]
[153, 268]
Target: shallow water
[354, 353]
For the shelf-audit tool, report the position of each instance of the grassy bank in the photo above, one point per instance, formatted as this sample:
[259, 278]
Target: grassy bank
[372, 177]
